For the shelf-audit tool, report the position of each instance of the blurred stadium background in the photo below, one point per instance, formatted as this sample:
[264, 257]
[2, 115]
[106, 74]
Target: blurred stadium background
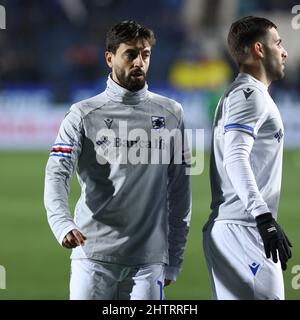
[52, 54]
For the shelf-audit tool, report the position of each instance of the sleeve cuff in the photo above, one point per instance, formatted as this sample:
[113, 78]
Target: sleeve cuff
[171, 273]
[65, 231]
[260, 210]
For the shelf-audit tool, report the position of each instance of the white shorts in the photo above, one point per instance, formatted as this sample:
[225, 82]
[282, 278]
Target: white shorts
[238, 267]
[96, 280]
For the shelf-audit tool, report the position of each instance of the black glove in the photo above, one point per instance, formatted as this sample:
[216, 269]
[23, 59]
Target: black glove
[274, 239]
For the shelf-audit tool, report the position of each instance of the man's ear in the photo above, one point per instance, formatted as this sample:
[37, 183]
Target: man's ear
[257, 50]
[108, 58]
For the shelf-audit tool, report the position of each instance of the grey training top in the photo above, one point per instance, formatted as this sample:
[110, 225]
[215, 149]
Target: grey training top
[131, 214]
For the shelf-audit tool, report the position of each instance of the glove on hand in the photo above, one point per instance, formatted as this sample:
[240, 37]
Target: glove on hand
[274, 239]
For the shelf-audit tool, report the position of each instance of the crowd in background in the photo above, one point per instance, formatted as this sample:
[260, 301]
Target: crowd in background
[61, 43]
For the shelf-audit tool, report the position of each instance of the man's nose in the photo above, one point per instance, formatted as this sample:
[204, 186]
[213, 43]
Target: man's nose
[284, 53]
[138, 61]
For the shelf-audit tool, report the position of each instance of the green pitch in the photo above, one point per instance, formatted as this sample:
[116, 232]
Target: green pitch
[38, 268]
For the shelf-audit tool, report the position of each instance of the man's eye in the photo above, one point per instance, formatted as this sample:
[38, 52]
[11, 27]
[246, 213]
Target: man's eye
[131, 55]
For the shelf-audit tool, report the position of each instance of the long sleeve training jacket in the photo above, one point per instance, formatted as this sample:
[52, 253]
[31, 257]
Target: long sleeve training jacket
[131, 211]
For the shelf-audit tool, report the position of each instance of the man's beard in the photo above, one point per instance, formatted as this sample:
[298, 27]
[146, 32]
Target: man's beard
[274, 69]
[131, 81]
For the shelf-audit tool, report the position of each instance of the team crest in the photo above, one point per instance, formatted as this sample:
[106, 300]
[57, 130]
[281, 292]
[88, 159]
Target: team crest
[158, 122]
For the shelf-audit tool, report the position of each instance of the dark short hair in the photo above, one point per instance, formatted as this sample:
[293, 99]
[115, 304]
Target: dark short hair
[127, 32]
[245, 32]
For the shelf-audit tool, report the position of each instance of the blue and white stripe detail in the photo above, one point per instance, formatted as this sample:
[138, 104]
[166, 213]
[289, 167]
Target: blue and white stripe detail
[237, 126]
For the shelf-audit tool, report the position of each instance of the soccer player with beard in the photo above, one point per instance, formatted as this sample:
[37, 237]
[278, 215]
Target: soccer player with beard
[132, 219]
[245, 248]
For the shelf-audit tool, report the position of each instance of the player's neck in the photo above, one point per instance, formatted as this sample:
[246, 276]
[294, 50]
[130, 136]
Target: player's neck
[256, 72]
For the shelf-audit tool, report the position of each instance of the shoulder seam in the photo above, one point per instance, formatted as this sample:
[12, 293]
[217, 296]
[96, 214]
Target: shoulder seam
[96, 108]
[241, 87]
[86, 103]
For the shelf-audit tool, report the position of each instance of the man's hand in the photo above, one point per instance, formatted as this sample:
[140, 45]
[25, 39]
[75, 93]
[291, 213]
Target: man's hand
[167, 282]
[73, 239]
[274, 239]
